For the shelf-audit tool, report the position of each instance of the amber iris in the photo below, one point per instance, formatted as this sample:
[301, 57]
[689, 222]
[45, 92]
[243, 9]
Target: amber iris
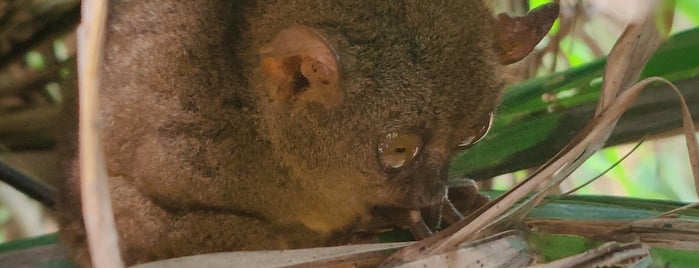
[397, 149]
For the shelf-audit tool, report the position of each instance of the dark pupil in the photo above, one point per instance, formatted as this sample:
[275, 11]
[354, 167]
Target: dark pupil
[399, 150]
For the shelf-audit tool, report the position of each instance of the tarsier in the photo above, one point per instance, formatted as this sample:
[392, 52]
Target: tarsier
[274, 124]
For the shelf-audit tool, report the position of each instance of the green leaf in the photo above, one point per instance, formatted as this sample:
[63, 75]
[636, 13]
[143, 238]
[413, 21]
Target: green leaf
[663, 257]
[552, 247]
[35, 60]
[689, 8]
[529, 127]
[29, 243]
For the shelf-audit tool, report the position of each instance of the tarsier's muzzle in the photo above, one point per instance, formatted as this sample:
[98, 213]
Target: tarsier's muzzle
[422, 222]
[420, 169]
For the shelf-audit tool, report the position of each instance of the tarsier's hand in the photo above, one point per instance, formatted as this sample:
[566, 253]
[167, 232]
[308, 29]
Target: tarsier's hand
[465, 199]
[461, 201]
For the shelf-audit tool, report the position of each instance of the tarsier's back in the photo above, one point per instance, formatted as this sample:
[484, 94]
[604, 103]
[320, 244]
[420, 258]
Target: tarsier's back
[236, 125]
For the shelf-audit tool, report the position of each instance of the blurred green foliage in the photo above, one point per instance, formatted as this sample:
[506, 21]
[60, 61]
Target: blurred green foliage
[658, 169]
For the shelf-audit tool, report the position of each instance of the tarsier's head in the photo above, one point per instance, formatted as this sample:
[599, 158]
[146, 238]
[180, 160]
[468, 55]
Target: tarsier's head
[379, 105]
[286, 123]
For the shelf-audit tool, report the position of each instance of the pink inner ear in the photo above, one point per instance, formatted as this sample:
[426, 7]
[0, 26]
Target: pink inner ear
[302, 40]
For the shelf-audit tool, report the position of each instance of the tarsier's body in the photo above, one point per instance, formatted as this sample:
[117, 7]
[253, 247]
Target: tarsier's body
[220, 135]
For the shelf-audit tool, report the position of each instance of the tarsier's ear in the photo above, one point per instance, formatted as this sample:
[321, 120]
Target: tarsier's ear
[518, 36]
[303, 67]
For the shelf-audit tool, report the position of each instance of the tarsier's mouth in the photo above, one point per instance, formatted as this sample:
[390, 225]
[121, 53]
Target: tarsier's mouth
[424, 221]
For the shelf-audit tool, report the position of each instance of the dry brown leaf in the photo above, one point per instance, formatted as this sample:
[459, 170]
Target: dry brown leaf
[677, 233]
[665, 16]
[588, 141]
[692, 145]
[627, 59]
[577, 188]
[508, 249]
[607, 255]
[311, 257]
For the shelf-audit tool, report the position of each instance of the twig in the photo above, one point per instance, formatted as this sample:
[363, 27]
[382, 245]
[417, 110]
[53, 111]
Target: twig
[675, 211]
[38, 191]
[96, 204]
[598, 176]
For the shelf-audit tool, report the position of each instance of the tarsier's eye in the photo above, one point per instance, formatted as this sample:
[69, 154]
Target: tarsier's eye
[397, 149]
[478, 136]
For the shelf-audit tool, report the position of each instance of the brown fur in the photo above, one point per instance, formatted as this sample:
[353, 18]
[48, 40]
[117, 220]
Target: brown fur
[202, 160]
